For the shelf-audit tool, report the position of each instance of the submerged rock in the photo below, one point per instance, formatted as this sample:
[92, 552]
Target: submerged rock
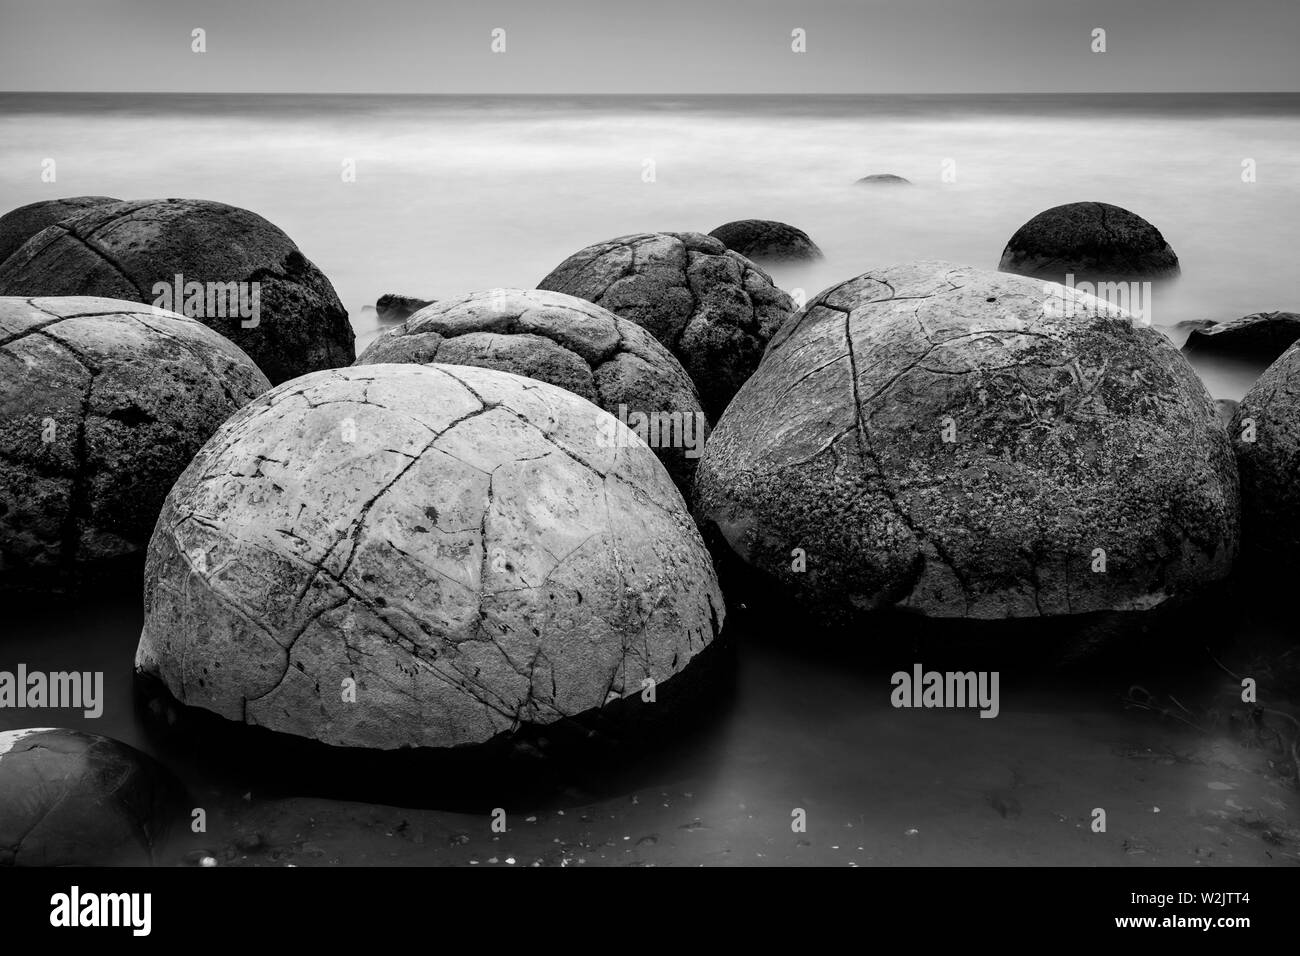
[884, 179]
[1265, 433]
[713, 308]
[69, 798]
[940, 439]
[421, 556]
[571, 343]
[398, 308]
[1089, 240]
[136, 250]
[19, 225]
[766, 240]
[102, 405]
[1261, 337]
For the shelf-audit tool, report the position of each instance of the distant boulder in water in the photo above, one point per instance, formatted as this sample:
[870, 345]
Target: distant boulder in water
[398, 308]
[1091, 241]
[884, 179]
[1261, 336]
[766, 240]
[19, 225]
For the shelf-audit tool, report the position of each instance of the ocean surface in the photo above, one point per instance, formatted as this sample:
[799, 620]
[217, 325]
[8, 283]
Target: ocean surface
[462, 193]
[455, 194]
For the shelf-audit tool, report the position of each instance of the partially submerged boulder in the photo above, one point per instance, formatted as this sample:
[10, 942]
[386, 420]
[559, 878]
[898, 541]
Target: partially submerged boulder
[884, 179]
[225, 266]
[766, 240]
[1259, 337]
[102, 405]
[391, 307]
[945, 440]
[19, 225]
[568, 342]
[1090, 241]
[396, 556]
[69, 798]
[713, 308]
[1265, 433]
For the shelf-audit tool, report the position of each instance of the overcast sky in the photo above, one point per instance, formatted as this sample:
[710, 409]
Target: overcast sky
[650, 46]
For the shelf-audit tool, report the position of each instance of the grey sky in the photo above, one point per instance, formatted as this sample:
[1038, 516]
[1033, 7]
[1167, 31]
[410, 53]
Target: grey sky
[651, 46]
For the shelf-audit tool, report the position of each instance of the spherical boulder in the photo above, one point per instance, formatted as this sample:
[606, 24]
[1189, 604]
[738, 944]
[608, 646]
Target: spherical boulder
[102, 405]
[884, 179]
[766, 240]
[713, 308]
[462, 550]
[963, 443]
[19, 225]
[225, 266]
[69, 798]
[1265, 433]
[1089, 240]
[571, 343]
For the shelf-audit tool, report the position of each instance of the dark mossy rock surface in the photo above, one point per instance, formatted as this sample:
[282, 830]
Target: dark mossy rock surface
[19, 225]
[766, 240]
[1091, 241]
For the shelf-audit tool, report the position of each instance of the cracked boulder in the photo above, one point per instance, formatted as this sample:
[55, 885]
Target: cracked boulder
[102, 405]
[766, 240]
[19, 225]
[1265, 432]
[943, 439]
[69, 798]
[1091, 241]
[137, 250]
[713, 308]
[571, 343]
[395, 556]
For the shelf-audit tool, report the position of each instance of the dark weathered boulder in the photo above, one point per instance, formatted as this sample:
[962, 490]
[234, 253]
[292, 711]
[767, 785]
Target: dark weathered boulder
[766, 240]
[1089, 240]
[713, 308]
[69, 798]
[1265, 433]
[883, 179]
[943, 439]
[398, 308]
[136, 251]
[460, 544]
[571, 343]
[102, 405]
[19, 225]
[1260, 337]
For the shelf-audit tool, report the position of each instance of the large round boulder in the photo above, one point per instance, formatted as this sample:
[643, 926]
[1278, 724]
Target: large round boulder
[461, 551]
[963, 443]
[1089, 240]
[766, 240]
[19, 225]
[69, 798]
[102, 405]
[1265, 432]
[225, 266]
[568, 342]
[713, 308]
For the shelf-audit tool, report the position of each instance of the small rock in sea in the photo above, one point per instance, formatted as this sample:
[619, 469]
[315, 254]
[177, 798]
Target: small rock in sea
[883, 179]
[863, 431]
[126, 250]
[19, 225]
[766, 240]
[713, 308]
[391, 307]
[1091, 241]
[349, 467]
[650, 840]
[103, 404]
[1260, 337]
[1265, 433]
[69, 798]
[568, 342]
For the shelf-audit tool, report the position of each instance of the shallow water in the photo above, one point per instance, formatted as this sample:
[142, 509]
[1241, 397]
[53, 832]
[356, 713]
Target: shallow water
[459, 194]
